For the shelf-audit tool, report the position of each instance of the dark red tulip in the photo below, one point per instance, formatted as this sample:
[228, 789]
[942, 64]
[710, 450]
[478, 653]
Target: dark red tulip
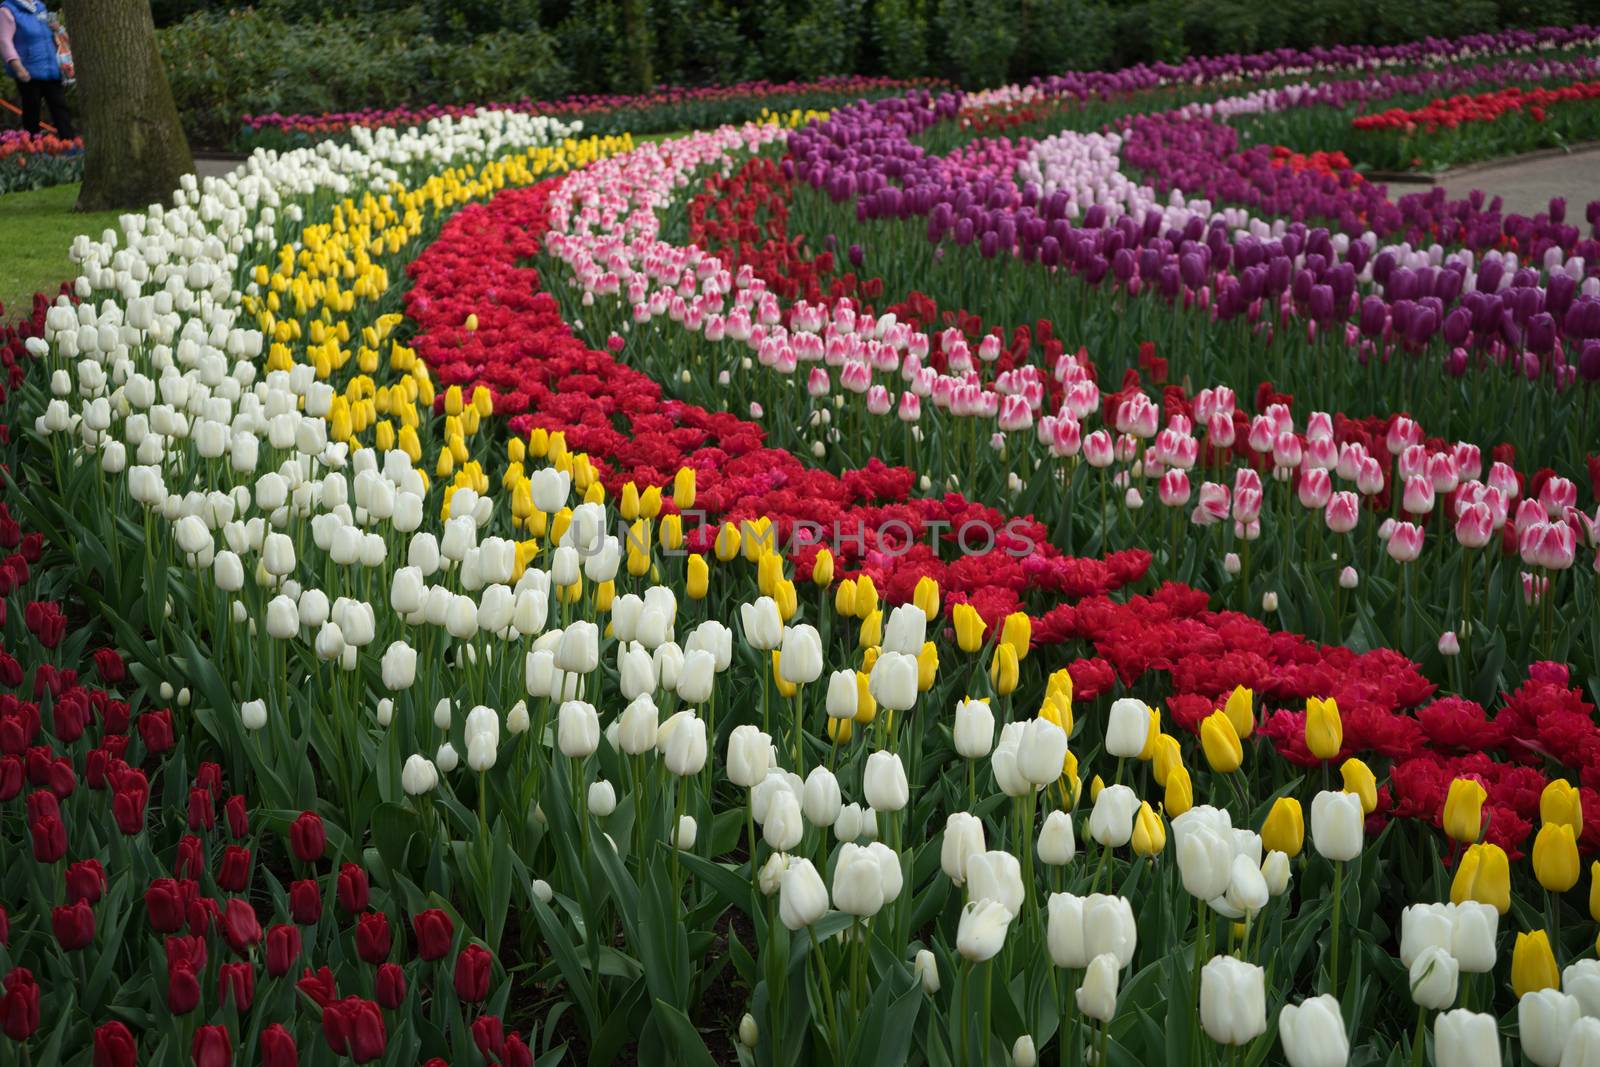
[233, 874]
[209, 778]
[319, 986]
[212, 1047]
[238, 817]
[307, 837]
[354, 1027]
[238, 979]
[114, 1046]
[73, 925]
[187, 949]
[191, 858]
[183, 987]
[373, 939]
[434, 932]
[49, 839]
[489, 1034]
[202, 809]
[517, 1053]
[278, 1047]
[128, 804]
[164, 904]
[86, 880]
[390, 986]
[354, 890]
[472, 974]
[305, 902]
[19, 1004]
[5, 927]
[110, 666]
[240, 927]
[155, 730]
[11, 776]
[283, 949]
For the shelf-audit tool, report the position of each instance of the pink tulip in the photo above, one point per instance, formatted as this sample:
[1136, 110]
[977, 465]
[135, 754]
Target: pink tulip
[1174, 489]
[1369, 480]
[1475, 525]
[1351, 454]
[1343, 512]
[1322, 453]
[1405, 542]
[1418, 499]
[1127, 447]
[1469, 460]
[1015, 415]
[878, 402]
[818, 383]
[1316, 488]
[1138, 416]
[1550, 545]
[1286, 451]
[1529, 514]
[1402, 432]
[1083, 399]
[1246, 478]
[989, 348]
[1534, 588]
[1443, 472]
[1219, 430]
[1503, 478]
[856, 376]
[1097, 449]
[910, 407]
[1212, 505]
[1319, 427]
[1557, 495]
[1413, 461]
[1246, 505]
[1262, 434]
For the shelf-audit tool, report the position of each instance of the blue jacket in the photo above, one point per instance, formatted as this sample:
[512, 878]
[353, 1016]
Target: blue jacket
[35, 42]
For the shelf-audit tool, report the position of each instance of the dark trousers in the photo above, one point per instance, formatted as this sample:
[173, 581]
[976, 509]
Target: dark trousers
[37, 92]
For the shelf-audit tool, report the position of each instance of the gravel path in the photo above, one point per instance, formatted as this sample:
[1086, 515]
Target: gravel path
[1527, 185]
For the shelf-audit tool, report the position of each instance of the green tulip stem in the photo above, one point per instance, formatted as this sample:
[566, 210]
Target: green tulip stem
[966, 1012]
[834, 1039]
[1333, 948]
[1420, 1039]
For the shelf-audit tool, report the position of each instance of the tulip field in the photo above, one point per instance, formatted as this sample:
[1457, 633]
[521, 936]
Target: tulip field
[1073, 573]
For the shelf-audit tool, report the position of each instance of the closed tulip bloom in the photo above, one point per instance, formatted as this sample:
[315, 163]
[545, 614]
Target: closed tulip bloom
[1205, 861]
[1324, 728]
[1484, 875]
[1127, 728]
[1017, 631]
[1544, 1019]
[1434, 977]
[1097, 995]
[996, 875]
[963, 839]
[981, 932]
[1462, 1038]
[1064, 931]
[1313, 1033]
[418, 776]
[1582, 980]
[1555, 857]
[1284, 829]
[1463, 810]
[969, 627]
[973, 729]
[800, 660]
[763, 628]
[1149, 833]
[696, 678]
[637, 726]
[1473, 937]
[1023, 1053]
[926, 970]
[841, 702]
[1247, 888]
[1424, 926]
[906, 630]
[783, 827]
[1336, 823]
[1359, 779]
[1111, 821]
[1179, 796]
[399, 666]
[1275, 872]
[1560, 803]
[1233, 1003]
[749, 755]
[1220, 743]
[893, 680]
[884, 782]
[857, 885]
[1003, 670]
[681, 740]
[577, 729]
[1533, 965]
[1042, 751]
[1583, 1044]
[802, 898]
[821, 800]
[1057, 845]
[1108, 926]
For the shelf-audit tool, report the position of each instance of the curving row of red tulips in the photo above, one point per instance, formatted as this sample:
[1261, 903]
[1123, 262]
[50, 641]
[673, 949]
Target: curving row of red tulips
[1489, 106]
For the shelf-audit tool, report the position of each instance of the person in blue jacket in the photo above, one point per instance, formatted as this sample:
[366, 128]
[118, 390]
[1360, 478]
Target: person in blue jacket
[28, 49]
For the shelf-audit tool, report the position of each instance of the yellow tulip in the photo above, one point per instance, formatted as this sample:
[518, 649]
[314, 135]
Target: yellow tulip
[650, 502]
[1484, 875]
[452, 400]
[604, 594]
[1018, 633]
[1220, 743]
[822, 568]
[1533, 965]
[1463, 810]
[769, 570]
[516, 450]
[1168, 757]
[756, 537]
[866, 705]
[727, 545]
[866, 597]
[1285, 828]
[839, 730]
[1359, 779]
[538, 442]
[1555, 857]
[628, 506]
[670, 532]
[1003, 670]
[483, 402]
[969, 627]
[869, 658]
[1180, 792]
[1149, 833]
[559, 523]
[844, 598]
[595, 494]
[472, 327]
[926, 597]
[1096, 784]
[1560, 803]
[787, 599]
[683, 488]
[1594, 891]
[785, 689]
[927, 666]
[1324, 728]
[1060, 683]
[1241, 711]
[871, 634]
[1152, 737]
[1057, 711]
[699, 578]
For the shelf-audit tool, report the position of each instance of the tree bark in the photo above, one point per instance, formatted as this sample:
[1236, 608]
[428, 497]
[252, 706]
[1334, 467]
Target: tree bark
[134, 146]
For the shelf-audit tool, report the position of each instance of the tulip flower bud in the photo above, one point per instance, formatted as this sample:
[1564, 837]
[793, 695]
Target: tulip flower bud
[1205, 861]
[1463, 810]
[1127, 728]
[577, 729]
[981, 933]
[963, 839]
[1313, 1033]
[802, 898]
[602, 798]
[253, 714]
[884, 782]
[1544, 1020]
[418, 776]
[783, 826]
[1582, 980]
[1220, 743]
[1466, 1039]
[1275, 872]
[1097, 995]
[1111, 821]
[926, 970]
[1233, 1009]
[1434, 975]
[1336, 825]
[681, 740]
[1533, 964]
[1057, 844]
[1324, 732]
[1583, 1040]
[1473, 936]
[1041, 752]
[749, 1033]
[822, 800]
[688, 831]
[1484, 875]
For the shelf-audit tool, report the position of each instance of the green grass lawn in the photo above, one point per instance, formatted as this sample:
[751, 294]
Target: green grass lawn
[36, 229]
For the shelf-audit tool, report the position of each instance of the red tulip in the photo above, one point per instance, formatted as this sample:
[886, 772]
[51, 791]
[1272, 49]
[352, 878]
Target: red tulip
[5, 927]
[434, 932]
[155, 730]
[472, 974]
[212, 1047]
[240, 927]
[238, 817]
[319, 986]
[73, 926]
[354, 890]
[164, 904]
[128, 804]
[239, 979]
[49, 839]
[202, 809]
[283, 948]
[305, 902]
[278, 1047]
[114, 1046]
[390, 986]
[191, 858]
[233, 875]
[183, 987]
[19, 1004]
[201, 913]
[209, 778]
[86, 880]
[110, 665]
[517, 1053]
[354, 1027]
[10, 772]
[307, 837]
[489, 1034]
[373, 939]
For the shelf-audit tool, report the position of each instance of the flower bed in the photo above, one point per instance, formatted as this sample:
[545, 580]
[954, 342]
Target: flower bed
[1460, 129]
[34, 162]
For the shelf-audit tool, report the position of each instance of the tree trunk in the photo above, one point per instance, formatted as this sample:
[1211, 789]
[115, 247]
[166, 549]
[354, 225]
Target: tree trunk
[636, 33]
[134, 147]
